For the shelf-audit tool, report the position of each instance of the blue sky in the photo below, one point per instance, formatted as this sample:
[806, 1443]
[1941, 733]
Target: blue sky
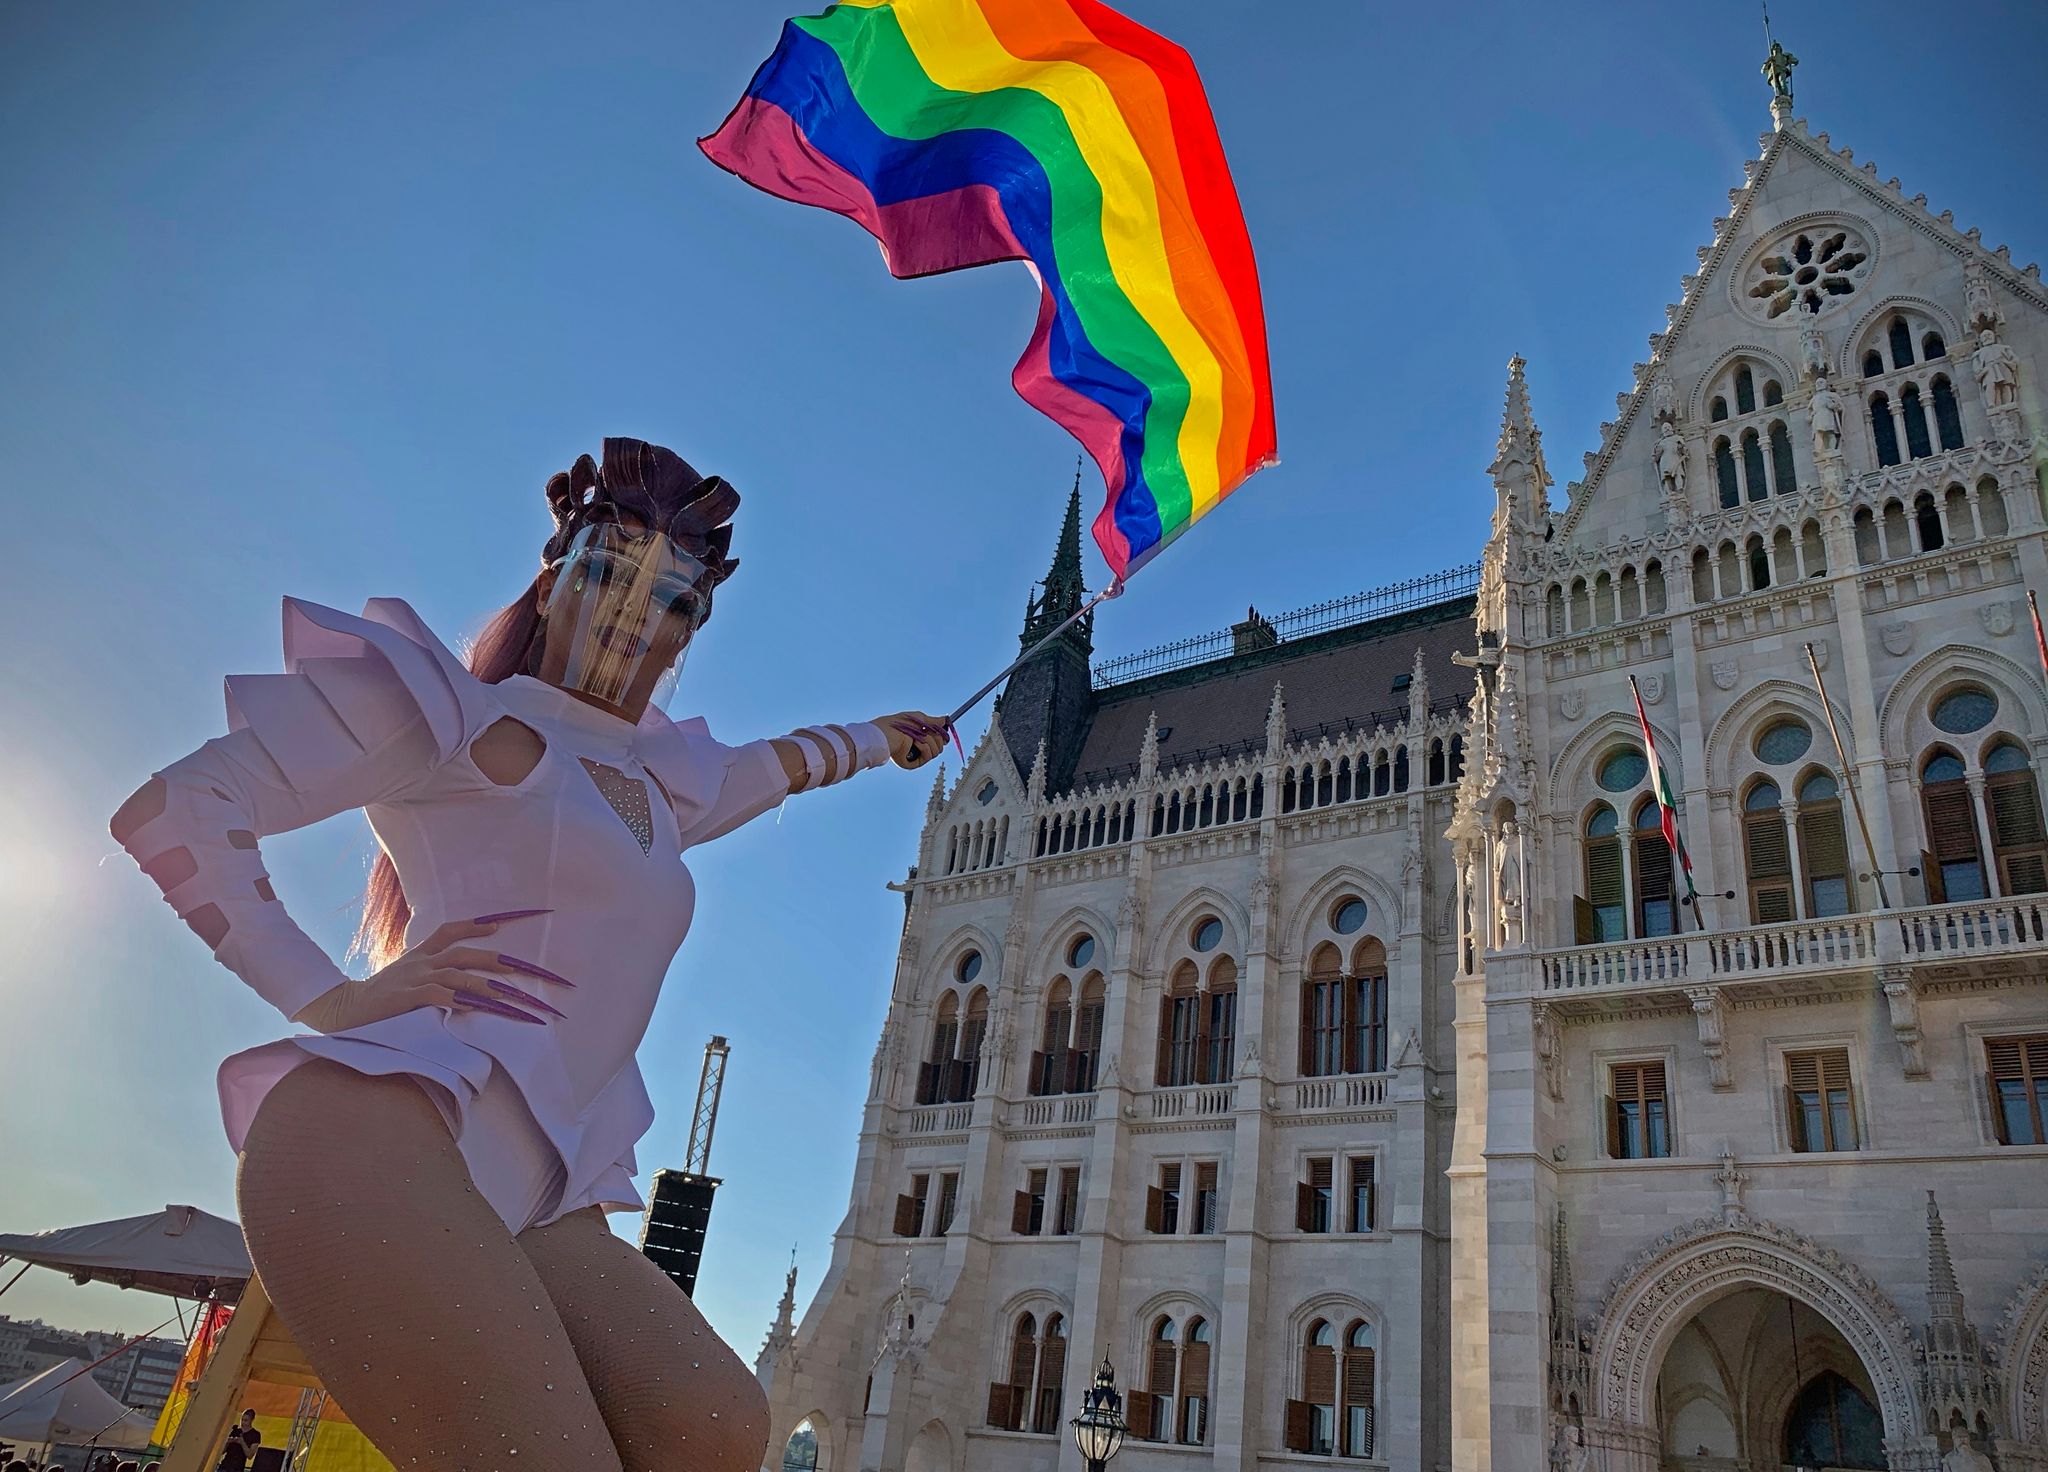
[311, 300]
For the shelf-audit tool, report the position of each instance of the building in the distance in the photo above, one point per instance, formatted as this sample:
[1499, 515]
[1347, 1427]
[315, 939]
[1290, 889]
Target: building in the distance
[140, 1376]
[1311, 1017]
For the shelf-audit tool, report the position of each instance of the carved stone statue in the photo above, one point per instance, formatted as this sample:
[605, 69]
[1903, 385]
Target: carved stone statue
[1663, 402]
[1980, 307]
[1671, 465]
[1827, 419]
[1508, 882]
[1778, 71]
[1963, 1457]
[1813, 350]
[1998, 371]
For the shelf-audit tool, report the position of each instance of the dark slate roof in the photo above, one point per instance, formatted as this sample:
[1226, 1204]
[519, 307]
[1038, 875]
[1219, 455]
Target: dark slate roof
[1344, 677]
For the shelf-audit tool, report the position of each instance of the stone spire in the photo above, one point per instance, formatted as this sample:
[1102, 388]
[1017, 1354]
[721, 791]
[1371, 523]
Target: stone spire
[1148, 754]
[1571, 1368]
[937, 799]
[781, 1333]
[1276, 721]
[1957, 1378]
[1034, 784]
[1050, 696]
[1521, 481]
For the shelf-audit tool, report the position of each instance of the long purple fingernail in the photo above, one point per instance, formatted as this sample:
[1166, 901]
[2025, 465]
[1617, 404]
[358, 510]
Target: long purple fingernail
[512, 991]
[502, 1009]
[508, 915]
[513, 963]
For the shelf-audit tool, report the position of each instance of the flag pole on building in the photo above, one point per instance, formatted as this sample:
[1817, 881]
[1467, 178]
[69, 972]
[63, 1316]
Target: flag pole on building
[1667, 807]
[2040, 639]
[1849, 781]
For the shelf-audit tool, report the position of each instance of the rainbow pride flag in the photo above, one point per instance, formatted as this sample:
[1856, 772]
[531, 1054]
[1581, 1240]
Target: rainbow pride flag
[1058, 132]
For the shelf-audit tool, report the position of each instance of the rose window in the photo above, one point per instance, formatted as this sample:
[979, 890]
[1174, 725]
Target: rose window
[1809, 269]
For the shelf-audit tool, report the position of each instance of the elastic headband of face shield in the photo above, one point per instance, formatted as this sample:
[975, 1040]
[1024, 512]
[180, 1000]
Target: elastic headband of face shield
[623, 609]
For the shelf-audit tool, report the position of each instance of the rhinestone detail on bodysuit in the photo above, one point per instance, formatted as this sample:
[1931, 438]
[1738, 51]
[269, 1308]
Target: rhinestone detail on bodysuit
[628, 798]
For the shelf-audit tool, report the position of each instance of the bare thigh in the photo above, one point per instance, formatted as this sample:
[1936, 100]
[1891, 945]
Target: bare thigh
[673, 1394]
[411, 1299]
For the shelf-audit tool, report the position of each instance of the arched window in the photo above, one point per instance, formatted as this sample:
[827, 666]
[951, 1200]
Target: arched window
[1991, 508]
[1897, 541]
[1629, 594]
[1344, 1014]
[1873, 364]
[1833, 1424]
[1883, 431]
[1759, 564]
[1553, 608]
[1731, 571]
[1653, 587]
[2013, 799]
[1400, 769]
[1753, 465]
[800, 1452]
[1932, 347]
[1784, 478]
[1724, 473]
[1154, 1420]
[1457, 757]
[1901, 343]
[1087, 1053]
[1772, 393]
[1767, 858]
[1745, 392]
[1052, 1373]
[972, 1032]
[1218, 1043]
[1356, 1387]
[1312, 1420]
[1050, 1063]
[1954, 864]
[1948, 418]
[1603, 599]
[1656, 903]
[1867, 552]
[935, 1075]
[1824, 847]
[1180, 1012]
[1718, 411]
[1009, 1401]
[1784, 565]
[1927, 521]
[1702, 576]
[1194, 1384]
[1606, 899]
[1582, 606]
[1436, 746]
[1812, 550]
[1917, 442]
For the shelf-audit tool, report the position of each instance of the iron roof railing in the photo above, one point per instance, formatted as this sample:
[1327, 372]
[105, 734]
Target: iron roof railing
[1318, 618]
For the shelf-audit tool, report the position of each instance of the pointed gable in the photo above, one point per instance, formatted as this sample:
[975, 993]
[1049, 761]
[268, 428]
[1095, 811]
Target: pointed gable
[1741, 310]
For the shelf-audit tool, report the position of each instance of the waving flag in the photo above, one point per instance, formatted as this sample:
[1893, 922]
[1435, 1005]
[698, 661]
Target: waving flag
[1058, 132]
[1667, 806]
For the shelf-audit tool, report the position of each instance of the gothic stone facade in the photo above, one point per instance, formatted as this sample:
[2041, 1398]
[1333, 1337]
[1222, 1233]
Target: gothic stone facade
[1192, 957]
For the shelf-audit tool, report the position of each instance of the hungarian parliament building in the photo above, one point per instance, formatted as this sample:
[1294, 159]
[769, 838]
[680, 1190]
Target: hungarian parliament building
[1315, 1018]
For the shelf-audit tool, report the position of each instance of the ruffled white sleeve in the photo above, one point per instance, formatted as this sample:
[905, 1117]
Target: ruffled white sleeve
[365, 714]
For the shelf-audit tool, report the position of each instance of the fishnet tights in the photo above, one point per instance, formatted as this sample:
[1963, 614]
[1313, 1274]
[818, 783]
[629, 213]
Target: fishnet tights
[450, 1343]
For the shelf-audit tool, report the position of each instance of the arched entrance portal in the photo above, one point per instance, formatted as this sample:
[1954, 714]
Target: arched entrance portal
[1759, 1380]
[1719, 1336]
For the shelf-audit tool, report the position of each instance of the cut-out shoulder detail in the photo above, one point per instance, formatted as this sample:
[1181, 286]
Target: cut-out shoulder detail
[241, 838]
[209, 924]
[265, 892]
[508, 751]
[171, 868]
[145, 805]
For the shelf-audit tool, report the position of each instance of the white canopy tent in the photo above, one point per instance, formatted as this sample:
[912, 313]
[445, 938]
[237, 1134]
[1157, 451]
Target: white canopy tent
[181, 1251]
[65, 1404]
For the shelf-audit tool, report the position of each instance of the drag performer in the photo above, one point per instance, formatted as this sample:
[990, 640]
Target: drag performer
[424, 1175]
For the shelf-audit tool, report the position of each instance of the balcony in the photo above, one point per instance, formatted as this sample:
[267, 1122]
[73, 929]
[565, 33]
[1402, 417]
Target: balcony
[1933, 943]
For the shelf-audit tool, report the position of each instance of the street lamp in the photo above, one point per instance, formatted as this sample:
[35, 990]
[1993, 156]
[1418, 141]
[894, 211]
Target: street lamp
[1099, 1429]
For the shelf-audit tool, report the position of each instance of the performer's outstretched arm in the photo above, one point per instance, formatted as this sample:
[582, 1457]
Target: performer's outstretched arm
[818, 756]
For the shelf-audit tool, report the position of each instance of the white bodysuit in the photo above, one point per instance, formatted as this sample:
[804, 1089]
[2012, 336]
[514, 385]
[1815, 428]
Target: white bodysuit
[376, 713]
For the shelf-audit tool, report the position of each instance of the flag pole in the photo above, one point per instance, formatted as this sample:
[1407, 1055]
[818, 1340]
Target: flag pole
[2040, 638]
[1667, 811]
[1884, 898]
[1115, 588]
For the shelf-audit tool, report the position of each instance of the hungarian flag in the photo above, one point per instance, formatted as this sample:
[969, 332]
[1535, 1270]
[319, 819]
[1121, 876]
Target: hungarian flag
[2040, 639]
[1667, 805]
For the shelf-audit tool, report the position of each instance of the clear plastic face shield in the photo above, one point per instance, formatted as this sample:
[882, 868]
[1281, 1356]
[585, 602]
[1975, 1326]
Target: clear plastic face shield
[623, 609]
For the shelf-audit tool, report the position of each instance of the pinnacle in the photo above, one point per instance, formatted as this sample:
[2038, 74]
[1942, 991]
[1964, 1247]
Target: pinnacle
[1941, 1269]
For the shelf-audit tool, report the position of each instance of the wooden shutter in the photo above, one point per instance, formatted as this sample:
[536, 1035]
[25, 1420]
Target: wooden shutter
[1999, 1132]
[1585, 922]
[1205, 1203]
[1194, 1369]
[1300, 1420]
[1603, 874]
[1822, 842]
[1951, 829]
[1001, 1405]
[1140, 1412]
[1052, 1365]
[1795, 1120]
[1159, 1369]
[1319, 1375]
[1023, 1356]
[2016, 835]
[1358, 1381]
[1653, 873]
[906, 1216]
[1155, 1209]
[1930, 874]
[1070, 1199]
[1304, 1205]
[1307, 1068]
[1769, 859]
[1611, 1111]
[1041, 1079]
[1163, 1074]
[1020, 1213]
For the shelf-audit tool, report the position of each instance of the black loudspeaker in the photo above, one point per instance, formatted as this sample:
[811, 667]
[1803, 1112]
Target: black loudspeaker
[268, 1459]
[678, 1213]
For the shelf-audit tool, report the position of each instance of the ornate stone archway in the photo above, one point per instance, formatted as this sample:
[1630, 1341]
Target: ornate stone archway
[1689, 1268]
[2023, 1349]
